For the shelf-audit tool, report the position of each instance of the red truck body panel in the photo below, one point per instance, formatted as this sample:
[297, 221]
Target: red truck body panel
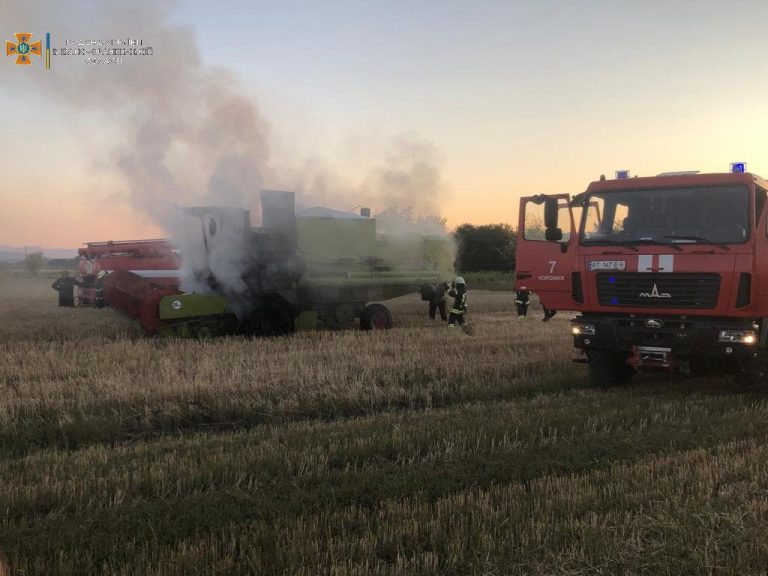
[155, 259]
[565, 274]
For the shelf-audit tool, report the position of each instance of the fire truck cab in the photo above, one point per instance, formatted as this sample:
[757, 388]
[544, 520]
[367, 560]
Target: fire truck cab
[666, 272]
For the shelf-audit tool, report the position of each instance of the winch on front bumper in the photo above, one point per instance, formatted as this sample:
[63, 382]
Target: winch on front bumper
[666, 342]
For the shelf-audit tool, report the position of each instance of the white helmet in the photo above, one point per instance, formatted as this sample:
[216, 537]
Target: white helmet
[458, 280]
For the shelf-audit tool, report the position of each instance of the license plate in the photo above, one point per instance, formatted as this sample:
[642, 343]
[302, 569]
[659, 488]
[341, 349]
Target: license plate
[607, 265]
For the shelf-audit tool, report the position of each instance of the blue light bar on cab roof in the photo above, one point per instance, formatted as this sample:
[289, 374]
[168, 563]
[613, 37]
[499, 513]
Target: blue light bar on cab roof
[621, 174]
[738, 167]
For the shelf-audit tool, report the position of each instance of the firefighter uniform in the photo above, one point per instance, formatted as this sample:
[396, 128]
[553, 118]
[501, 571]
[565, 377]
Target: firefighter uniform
[459, 294]
[521, 301]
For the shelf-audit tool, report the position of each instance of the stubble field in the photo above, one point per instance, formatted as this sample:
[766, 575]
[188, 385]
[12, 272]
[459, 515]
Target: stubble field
[415, 451]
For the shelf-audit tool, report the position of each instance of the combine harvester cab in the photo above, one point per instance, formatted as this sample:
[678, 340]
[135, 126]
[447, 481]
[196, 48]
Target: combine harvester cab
[667, 272]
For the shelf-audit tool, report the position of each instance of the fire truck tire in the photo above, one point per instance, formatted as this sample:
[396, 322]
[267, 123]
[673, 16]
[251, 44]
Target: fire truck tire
[755, 373]
[607, 369]
[376, 317]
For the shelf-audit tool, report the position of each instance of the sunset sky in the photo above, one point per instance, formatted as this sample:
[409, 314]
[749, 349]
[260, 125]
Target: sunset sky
[497, 98]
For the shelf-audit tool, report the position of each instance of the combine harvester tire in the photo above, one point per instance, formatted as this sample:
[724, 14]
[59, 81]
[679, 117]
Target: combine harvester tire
[376, 317]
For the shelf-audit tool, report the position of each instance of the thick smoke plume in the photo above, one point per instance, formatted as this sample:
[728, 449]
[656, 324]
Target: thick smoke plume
[189, 134]
[185, 133]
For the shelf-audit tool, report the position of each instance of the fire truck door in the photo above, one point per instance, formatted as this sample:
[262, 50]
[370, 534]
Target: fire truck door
[546, 251]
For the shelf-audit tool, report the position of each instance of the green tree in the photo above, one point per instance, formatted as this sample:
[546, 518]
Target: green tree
[487, 247]
[34, 262]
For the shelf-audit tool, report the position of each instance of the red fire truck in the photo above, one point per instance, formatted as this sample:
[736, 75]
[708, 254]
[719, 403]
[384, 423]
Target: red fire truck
[668, 272]
[156, 259]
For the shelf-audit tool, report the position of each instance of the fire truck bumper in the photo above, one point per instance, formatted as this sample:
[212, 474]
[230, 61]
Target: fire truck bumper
[668, 342]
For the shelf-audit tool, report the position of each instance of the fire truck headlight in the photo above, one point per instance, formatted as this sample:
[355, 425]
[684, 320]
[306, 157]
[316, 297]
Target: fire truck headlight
[583, 330]
[741, 336]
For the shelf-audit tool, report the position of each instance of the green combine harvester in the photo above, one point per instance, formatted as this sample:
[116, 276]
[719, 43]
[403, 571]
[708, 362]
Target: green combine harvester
[321, 268]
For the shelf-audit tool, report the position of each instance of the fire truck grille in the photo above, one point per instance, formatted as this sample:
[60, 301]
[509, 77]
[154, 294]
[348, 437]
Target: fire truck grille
[666, 290]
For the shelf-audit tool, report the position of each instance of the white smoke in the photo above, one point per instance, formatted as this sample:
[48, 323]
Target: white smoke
[190, 134]
[406, 192]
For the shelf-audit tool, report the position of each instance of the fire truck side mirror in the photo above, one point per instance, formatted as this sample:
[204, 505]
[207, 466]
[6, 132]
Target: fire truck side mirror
[550, 213]
[553, 234]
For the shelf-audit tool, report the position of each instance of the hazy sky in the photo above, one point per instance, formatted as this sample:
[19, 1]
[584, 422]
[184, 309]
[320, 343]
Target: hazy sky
[504, 99]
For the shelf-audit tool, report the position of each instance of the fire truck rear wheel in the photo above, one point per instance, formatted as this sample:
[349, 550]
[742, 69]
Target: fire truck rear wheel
[607, 369]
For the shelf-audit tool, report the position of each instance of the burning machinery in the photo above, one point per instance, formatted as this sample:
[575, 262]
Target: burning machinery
[320, 268]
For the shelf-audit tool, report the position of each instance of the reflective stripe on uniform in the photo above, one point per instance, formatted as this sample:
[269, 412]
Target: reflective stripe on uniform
[454, 311]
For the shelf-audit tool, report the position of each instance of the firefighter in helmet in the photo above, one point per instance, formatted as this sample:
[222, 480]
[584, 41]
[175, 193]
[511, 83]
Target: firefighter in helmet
[458, 292]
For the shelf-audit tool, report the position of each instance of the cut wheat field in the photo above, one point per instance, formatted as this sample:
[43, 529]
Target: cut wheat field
[414, 451]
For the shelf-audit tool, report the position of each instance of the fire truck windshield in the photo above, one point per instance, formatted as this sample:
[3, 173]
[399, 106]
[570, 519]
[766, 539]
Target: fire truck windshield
[716, 215]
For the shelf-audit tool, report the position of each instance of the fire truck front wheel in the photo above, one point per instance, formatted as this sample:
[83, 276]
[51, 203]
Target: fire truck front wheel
[754, 372]
[607, 369]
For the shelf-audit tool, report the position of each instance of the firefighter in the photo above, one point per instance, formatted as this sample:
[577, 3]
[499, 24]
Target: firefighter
[458, 292]
[66, 289]
[437, 302]
[522, 299]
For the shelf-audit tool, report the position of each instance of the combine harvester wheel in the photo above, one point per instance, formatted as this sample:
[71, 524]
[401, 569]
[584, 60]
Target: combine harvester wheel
[376, 317]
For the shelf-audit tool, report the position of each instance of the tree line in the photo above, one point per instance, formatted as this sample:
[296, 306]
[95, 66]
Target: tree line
[490, 247]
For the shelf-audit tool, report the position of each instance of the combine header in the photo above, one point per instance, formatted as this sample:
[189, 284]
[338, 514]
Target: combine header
[163, 309]
[321, 269]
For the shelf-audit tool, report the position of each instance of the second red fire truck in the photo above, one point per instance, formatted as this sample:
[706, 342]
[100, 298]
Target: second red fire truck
[155, 259]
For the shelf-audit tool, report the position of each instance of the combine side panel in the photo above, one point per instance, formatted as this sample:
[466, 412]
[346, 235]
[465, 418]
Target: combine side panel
[136, 296]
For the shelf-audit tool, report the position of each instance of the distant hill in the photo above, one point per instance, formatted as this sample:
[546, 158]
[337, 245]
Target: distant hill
[13, 254]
